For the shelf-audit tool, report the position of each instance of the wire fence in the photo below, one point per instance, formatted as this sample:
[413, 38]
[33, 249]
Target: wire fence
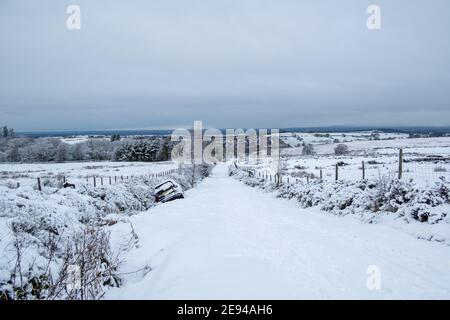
[96, 180]
[420, 169]
[70, 181]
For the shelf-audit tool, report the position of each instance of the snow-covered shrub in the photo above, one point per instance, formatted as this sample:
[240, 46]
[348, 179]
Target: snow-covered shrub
[429, 205]
[32, 221]
[11, 184]
[390, 194]
[366, 199]
[74, 266]
[439, 169]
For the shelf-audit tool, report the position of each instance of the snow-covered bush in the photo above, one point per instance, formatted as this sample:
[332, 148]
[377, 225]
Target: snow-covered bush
[366, 199]
[78, 265]
[429, 205]
[66, 221]
[11, 184]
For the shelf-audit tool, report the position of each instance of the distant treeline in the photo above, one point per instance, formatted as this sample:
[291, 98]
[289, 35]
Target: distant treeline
[26, 149]
[423, 131]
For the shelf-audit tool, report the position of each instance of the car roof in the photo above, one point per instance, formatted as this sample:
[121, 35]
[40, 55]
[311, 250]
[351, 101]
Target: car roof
[167, 181]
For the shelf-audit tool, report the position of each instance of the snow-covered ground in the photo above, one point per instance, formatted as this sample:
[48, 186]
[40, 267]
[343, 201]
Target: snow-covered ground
[30, 219]
[229, 241]
[381, 156]
[363, 144]
[296, 139]
[76, 172]
[79, 139]
[375, 168]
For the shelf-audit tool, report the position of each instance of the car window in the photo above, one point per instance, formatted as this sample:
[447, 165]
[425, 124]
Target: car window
[164, 186]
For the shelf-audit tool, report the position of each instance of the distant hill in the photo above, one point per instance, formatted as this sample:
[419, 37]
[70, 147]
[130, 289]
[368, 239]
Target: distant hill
[412, 130]
[417, 129]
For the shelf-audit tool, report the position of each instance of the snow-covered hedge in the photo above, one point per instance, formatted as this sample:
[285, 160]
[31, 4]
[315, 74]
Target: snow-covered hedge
[367, 199]
[34, 223]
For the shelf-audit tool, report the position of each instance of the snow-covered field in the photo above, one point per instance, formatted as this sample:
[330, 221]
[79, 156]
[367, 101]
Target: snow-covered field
[76, 172]
[78, 139]
[364, 144]
[375, 168]
[295, 139]
[381, 156]
[38, 229]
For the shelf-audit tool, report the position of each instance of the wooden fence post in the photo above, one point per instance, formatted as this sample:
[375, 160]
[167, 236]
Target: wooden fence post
[400, 164]
[337, 172]
[307, 178]
[101, 180]
[109, 180]
[95, 182]
[321, 174]
[363, 171]
[39, 184]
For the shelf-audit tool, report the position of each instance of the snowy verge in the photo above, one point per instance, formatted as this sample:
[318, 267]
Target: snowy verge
[40, 233]
[423, 211]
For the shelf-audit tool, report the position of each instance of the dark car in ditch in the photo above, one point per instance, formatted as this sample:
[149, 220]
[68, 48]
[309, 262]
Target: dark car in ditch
[167, 191]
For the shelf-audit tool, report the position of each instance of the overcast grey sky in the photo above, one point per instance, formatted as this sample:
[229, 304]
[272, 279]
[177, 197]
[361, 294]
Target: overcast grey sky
[230, 63]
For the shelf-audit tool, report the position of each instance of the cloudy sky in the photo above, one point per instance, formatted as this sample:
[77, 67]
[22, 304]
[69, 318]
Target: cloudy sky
[230, 63]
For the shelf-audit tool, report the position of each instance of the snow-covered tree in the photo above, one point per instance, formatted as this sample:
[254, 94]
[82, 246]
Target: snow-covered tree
[62, 152]
[115, 137]
[5, 132]
[308, 150]
[341, 149]
[12, 153]
[53, 149]
[78, 152]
